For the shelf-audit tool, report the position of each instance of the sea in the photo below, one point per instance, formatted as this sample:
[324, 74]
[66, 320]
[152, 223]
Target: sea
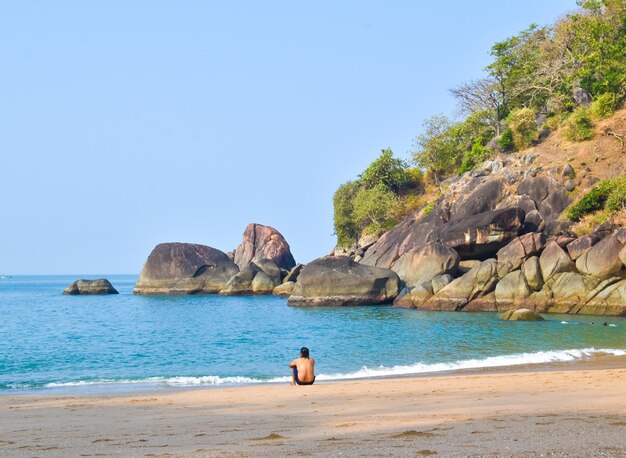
[52, 343]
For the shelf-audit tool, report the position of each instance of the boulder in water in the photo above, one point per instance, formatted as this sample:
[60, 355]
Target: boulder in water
[521, 315]
[185, 268]
[263, 242]
[99, 286]
[338, 280]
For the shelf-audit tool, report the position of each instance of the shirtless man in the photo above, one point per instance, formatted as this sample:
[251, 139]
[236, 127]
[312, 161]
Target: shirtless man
[303, 369]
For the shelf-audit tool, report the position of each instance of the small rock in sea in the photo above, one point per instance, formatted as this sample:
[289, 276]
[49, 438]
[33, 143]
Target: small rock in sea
[521, 315]
[99, 286]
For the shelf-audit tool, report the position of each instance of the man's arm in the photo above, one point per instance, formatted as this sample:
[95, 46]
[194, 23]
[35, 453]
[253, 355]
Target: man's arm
[293, 364]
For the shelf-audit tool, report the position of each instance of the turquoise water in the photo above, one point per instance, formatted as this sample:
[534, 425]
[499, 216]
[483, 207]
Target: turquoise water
[53, 342]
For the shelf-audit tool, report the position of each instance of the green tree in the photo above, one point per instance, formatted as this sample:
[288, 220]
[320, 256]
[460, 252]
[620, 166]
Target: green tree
[343, 203]
[523, 127]
[436, 149]
[388, 171]
[375, 208]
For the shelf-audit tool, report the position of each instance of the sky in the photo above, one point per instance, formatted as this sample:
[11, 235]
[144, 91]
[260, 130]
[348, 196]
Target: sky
[126, 124]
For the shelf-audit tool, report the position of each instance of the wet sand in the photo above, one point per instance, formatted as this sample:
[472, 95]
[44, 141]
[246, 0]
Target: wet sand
[574, 412]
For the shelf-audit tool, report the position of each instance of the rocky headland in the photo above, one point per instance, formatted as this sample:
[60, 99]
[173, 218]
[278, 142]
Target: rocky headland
[493, 239]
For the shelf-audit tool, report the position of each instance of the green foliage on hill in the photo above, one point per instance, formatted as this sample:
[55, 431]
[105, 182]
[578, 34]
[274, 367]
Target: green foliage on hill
[609, 195]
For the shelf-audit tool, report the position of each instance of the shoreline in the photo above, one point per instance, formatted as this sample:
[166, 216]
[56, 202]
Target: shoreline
[573, 410]
[595, 362]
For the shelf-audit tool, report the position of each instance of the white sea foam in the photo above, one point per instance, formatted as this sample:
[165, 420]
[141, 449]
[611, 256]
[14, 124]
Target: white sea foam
[365, 372]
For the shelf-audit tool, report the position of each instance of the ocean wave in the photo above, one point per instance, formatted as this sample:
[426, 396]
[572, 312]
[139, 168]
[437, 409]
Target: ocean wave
[364, 372]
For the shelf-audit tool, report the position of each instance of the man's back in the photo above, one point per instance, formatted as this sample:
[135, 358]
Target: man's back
[306, 369]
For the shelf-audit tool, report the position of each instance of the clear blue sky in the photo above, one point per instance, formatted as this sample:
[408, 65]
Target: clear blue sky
[126, 124]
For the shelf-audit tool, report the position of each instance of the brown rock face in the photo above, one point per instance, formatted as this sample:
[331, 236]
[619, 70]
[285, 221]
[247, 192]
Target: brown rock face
[338, 280]
[185, 268]
[99, 286]
[263, 242]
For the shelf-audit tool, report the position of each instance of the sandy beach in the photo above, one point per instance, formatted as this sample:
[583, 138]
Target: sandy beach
[579, 412]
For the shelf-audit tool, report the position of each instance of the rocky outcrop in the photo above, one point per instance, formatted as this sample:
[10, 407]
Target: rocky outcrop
[521, 315]
[185, 268]
[339, 281]
[520, 249]
[263, 242]
[99, 286]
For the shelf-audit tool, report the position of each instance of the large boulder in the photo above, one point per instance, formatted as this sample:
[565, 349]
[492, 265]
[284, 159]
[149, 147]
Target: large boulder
[482, 235]
[338, 280]
[263, 242]
[422, 264]
[532, 273]
[475, 196]
[512, 289]
[185, 268]
[520, 249]
[603, 259]
[99, 286]
[581, 245]
[554, 260]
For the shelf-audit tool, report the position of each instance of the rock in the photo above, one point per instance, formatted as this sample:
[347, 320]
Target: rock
[549, 196]
[413, 296]
[610, 301]
[411, 232]
[580, 245]
[533, 222]
[512, 289]
[470, 197]
[367, 241]
[271, 270]
[260, 277]
[263, 242]
[263, 284]
[582, 97]
[241, 283]
[480, 236]
[284, 290]
[566, 291]
[341, 281]
[568, 171]
[422, 264]
[554, 260]
[476, 283]
[532, 273]
[185, 268]
[467, 265]
[99, 286]
[520, 249]
[603, 259]
[521, 315]
[293, 273]
[569, 185]
[440, 282]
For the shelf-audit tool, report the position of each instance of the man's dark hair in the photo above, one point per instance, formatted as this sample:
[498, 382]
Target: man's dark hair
[304, 352]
